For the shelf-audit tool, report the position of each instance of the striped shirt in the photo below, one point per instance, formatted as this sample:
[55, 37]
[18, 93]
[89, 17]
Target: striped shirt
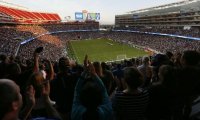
[130, 106]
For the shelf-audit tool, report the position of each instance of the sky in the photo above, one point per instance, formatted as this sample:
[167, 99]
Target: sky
[107, 8]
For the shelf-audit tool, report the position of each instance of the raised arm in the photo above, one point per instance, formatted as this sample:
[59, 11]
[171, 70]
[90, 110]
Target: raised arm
[78, 109]
[51, 71]
[36, 62]
[99, 82]
[80, 82]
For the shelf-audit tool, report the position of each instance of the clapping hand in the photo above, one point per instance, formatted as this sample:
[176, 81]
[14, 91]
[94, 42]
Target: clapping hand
[89, 66]
[86, 61]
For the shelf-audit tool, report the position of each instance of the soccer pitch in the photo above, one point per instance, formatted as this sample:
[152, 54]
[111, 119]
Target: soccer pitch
[103, 50]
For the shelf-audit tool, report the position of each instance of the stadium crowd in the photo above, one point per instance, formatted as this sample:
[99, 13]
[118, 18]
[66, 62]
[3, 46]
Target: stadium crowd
[161, 87]
[158, 43]
[189, 32]
[56, 43]
[33, 85]
[12, 36]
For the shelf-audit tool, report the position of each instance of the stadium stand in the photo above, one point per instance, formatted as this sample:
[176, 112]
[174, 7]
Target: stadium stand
[181, 13]
[26, 17]
[50, 83]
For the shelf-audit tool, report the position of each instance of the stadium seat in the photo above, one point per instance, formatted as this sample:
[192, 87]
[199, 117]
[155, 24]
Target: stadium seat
[24, 16]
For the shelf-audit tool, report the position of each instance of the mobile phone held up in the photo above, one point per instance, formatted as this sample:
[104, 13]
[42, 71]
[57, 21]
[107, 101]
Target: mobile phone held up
[39, 49]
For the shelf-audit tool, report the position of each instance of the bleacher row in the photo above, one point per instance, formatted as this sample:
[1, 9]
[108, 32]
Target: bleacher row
[14, 15]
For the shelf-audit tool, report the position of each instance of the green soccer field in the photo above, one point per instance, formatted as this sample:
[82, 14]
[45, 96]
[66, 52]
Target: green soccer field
[103, 50]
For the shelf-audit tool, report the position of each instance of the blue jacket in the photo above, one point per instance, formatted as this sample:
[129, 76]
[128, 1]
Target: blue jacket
[104, 110]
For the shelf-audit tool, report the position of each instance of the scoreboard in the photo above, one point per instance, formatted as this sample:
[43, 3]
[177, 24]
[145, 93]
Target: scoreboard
[87, 16]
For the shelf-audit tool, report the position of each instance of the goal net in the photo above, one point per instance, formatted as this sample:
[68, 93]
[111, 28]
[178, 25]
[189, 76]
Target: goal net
[121, 57]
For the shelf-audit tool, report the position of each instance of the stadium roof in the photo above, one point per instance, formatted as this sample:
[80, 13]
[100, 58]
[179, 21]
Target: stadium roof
[4, 3]
[183, 6]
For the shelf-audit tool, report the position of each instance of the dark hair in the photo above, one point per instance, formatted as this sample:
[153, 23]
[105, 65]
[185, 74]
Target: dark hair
[14, 69]
[91, 98]
[169, 54]
[3, 58]
[119, 66]
[64, 64]
[105, 66]
[189, 80]
[167, 74]
[145, 59]
[98, 68]
[159, 60]
[133, 77]
[190, 57]
[39, 49]
[8, 95]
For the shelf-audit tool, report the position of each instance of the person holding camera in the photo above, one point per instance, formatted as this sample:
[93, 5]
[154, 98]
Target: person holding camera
[40, 81]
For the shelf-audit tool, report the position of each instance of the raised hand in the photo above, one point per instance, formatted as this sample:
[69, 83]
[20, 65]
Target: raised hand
[86, 61]
[91, 68]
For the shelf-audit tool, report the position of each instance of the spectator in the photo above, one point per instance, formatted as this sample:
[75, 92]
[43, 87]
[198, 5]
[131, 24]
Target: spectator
[146, 71]
[11, 103]
[64, 84]
[165, 101]
[118, 74]
[190, 58]
[91, 101]
[11, 100]
[131, 103]
[108, 78]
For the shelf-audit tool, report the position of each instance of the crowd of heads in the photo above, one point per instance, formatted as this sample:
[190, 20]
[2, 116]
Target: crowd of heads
[155, 42]
[12, 36]
[191, 32]
[45, 84]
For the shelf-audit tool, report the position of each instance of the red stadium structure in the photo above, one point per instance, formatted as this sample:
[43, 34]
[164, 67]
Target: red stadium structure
[15, 15]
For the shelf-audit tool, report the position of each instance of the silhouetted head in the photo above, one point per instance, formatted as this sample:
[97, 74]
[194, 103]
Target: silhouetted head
[10, 99]
[167, 75]
[98, 68]
[90, 95]
[64, 64]
[133, 77]
[4, 59]
[169, 54]
[104, 66]
[159, 60]
[119, 66]
[145, 60]
[14, 69]
[190, 58]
